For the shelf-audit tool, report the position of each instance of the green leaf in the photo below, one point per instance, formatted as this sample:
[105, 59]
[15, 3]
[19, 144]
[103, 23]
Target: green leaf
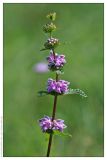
[42, 93]
[56, 132]
[71, 91]
[76, 91]
[43, 49]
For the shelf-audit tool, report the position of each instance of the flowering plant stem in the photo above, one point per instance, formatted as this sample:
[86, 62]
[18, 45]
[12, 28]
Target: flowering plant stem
[53, 115]
[56, 87]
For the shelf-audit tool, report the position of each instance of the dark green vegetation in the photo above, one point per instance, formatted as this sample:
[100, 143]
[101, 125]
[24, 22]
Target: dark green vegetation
[81, 27]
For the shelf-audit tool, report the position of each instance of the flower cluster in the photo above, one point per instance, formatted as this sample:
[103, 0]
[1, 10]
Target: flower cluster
[47, 124]
[51, 16]
[49, 27]
[56, 62]
[60, 86]
[51, 43]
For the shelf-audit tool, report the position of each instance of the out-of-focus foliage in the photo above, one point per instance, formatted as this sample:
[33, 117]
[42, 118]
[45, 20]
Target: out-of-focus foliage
[80, 27]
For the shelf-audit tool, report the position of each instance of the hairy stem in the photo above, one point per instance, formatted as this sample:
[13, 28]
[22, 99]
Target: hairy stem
[53, 116]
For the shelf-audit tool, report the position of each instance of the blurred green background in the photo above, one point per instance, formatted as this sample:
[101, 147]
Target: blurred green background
[81, 27]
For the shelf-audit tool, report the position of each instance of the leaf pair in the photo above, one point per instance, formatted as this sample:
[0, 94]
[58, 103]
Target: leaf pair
[71, 91]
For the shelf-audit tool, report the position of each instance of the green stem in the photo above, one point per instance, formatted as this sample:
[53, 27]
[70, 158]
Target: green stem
[50, 34]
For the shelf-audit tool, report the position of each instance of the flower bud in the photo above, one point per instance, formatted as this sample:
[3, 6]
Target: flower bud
[51, 16]
[51, 43]
[48, 28]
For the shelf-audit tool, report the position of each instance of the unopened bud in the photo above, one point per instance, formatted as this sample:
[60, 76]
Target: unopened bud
[47, 28]
[51, 16]
[51, 43]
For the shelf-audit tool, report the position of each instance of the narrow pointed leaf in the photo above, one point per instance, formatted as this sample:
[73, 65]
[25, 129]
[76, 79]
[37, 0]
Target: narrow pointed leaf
[43, 49]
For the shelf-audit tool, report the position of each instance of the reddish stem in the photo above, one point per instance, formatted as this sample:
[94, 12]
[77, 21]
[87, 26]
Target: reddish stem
[53, 115]
[51, 134]
[49, 145]
[53, 54]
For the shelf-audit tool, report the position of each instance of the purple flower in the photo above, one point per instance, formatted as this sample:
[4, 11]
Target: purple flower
[58, 124]
[55, 62]
[47, 124]
[41, 67]
[60, 86]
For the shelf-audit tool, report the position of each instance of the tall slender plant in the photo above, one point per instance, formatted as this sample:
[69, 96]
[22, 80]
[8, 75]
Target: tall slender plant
[56, 87]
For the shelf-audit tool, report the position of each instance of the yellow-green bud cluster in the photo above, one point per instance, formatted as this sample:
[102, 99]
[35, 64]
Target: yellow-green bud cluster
[51, 16]
[49, 27]
[51, 43]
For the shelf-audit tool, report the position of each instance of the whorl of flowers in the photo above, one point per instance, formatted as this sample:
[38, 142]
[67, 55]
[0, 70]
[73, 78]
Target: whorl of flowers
[51, 43]
[56, 62]
[60, 86]
[47, 125]
[49, 27]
